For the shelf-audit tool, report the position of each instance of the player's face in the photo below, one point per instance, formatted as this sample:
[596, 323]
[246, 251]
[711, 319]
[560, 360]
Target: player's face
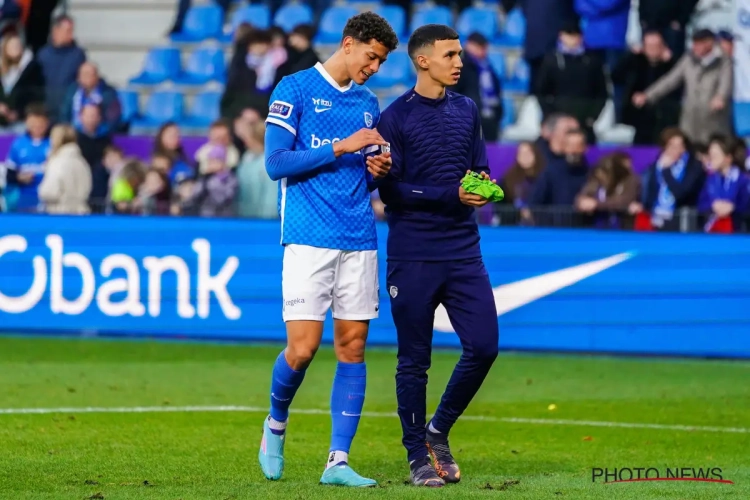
[364, 59]
[445, 62]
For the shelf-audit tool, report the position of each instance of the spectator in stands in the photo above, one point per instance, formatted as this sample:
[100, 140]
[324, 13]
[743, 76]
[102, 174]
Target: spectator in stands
[706, 75]
[555, 128]
[605, 26]
[572, 81]
[480, 83]
[155, 194]
[169, 144]
[300, 53]
[611, 188]
[674, 181]
[22, 81]
[66, 186]
[123, 197]
[219, 134]
[668, 17]
[24, 167]
[725, 198]
[93, 140]
[60, 60]
[215, 191]
[544, 20]
[250, 76]
[726, 42]
[636, 72]
[277, 53]
[114, 161]
[258, 194]
[518, 182]
[563, 177]
[91, 89]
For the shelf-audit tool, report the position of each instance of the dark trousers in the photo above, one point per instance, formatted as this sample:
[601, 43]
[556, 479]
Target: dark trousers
[416, 289]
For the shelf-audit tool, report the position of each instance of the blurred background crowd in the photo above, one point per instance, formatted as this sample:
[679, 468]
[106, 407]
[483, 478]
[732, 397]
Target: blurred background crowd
[616, 113]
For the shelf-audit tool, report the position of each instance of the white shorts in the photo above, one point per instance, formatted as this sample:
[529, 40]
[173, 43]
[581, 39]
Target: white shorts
[316, 279]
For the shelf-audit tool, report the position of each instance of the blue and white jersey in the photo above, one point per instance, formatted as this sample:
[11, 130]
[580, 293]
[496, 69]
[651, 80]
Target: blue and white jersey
[329, 207]
[28, 155]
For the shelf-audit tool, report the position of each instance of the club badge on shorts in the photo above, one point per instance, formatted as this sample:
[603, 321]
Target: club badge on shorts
[393, 291]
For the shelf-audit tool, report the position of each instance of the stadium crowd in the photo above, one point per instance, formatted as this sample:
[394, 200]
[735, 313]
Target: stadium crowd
[674, 88]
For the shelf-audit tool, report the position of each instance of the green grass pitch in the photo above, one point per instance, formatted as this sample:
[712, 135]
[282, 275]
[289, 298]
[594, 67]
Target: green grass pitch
[213, 454]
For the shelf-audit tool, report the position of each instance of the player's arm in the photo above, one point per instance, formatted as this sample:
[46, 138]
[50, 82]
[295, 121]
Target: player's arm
[11, 165]
[392, 189]
[479, 162]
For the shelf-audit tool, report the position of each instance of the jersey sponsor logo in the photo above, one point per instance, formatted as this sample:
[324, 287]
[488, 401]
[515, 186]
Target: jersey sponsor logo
[322, 105]
[317, 142]
[294, 302]
[368, 119]
[280, 109]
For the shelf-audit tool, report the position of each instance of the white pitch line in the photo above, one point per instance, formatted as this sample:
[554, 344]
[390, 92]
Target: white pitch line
[314, 411]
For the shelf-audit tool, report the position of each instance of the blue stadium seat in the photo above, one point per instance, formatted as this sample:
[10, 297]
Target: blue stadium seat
[257, 15]
[514, 31]
[497, 61]
[431, 15]
[161, 64]
[742, 118]
[518, 80]
[162, 106]
[201, 22]
[204, 111]
[129, 104]
[397, 71]
[477, 20]
[291, 15]
[509, 113]
[396, 17]
[205, 64]
[332, 23]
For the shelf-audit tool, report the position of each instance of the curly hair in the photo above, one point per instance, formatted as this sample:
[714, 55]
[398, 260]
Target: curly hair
[368, 26]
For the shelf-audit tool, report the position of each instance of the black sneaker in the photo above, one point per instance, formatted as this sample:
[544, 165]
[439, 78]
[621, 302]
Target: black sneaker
[440, 453]
[423, 474]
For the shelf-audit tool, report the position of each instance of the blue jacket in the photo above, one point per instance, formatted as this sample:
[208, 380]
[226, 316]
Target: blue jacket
[559, 183]
[433, 143]
[110, 107]
[60, 67]
[605, 22]
[544, 19]
[734, 187]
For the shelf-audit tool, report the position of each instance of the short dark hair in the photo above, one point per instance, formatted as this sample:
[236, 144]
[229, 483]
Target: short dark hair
[427, 35]
[370, 26]
[670, 133]
[221, 123]
[304, 30]
[726, 144]
[259, 36]
[36, 109]
[114, 148]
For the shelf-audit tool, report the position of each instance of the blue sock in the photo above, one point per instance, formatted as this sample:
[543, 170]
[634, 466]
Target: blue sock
[347, 400]
[284, 385]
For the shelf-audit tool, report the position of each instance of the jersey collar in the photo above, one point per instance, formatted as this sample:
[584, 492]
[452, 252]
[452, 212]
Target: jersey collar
[330, 80]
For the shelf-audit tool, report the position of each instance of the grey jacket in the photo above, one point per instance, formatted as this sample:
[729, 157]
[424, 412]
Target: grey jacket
[703, 80]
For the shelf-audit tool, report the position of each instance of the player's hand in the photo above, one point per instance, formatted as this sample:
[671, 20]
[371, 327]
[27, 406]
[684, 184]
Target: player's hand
[358, 140]
[471, 199]
[379, 165]
[486, 177]
[639, 99]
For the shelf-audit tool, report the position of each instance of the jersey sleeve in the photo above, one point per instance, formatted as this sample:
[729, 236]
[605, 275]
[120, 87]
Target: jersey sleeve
[285, 109]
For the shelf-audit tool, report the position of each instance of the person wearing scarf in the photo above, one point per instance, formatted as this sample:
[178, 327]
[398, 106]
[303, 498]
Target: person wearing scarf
[725, 199]
[92, 90]
[674, 181]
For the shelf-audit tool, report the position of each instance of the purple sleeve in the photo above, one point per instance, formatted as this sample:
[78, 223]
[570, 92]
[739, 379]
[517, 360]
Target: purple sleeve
[743, 196]
[392, 189]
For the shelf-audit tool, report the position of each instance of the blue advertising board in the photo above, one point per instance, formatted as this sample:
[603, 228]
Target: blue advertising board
[576, 290]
